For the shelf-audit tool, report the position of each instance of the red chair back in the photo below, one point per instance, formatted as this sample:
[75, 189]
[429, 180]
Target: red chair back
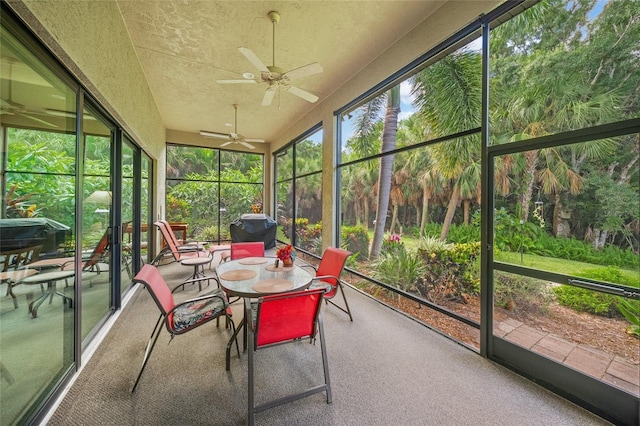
[170, 233]
[150, 277]
[247, 249]
[99, 251]
[287, 316]
[332, 263]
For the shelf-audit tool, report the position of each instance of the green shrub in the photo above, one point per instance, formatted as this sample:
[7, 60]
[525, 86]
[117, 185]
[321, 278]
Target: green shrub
[399, 269]
[451, 270]
[584, 300]
[356, 240]
[630, 309]
[511, 290]
[392, 245]
[210, 233]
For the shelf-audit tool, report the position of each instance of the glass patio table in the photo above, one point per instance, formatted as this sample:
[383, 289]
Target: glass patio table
[253, 277]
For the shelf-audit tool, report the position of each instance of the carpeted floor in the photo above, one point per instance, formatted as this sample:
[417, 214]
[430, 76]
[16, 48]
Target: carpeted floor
[385, 369]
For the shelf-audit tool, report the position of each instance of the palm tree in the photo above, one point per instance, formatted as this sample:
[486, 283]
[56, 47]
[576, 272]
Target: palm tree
[386, 168]
[448, 95]
[367, 117]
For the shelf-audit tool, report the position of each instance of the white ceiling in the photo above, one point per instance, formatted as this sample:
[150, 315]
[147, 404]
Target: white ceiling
[185, 46]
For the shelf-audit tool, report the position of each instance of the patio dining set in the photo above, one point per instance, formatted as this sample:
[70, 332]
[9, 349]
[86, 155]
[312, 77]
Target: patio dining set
[282, 304]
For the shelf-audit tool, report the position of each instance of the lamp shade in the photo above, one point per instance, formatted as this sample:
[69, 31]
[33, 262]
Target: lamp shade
[102, 198]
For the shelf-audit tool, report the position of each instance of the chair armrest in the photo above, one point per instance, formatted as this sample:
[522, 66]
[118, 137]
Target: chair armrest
[328, 286]
[324, 277]
[308, 265]
[195, 280]
[190, 247]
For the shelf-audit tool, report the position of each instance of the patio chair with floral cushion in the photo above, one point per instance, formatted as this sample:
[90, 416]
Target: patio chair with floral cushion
[182, 317]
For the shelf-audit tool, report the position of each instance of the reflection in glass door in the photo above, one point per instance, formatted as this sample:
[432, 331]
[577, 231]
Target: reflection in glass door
[96, 236]
[128, 161]
[38, 164]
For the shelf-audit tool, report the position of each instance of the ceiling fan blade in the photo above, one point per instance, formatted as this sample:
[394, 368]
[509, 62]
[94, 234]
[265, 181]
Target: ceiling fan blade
[314, 68]
[254, 140]
[46, 123]
[235, 81]
[247, 145]
[214, 134]
[226, 143]
[253, 59]
[302, 93]
[269, 94]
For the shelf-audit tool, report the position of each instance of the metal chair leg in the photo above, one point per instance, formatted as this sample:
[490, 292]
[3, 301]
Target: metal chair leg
[147, 352]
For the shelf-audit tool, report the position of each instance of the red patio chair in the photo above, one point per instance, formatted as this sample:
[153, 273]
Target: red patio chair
[247, 249]
[285, 318]
[173, 248]
[328, 276]
[183, 317]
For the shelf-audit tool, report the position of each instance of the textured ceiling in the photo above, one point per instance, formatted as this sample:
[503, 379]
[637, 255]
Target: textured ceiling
[185, 46]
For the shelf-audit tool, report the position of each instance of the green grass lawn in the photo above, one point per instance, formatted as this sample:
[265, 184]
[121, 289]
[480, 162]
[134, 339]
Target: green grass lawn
[563, 266]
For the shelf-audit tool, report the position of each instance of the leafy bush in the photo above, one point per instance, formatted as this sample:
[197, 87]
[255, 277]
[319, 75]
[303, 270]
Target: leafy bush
[399, 269]
[307, 237]
[451, 270]
[630, 309]
[210, 233]
[392, 245]
[584, 300]
[511, 290]
[356, 240]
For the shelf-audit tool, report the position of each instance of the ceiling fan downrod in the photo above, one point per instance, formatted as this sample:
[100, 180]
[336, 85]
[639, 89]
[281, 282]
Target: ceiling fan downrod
[275, 18]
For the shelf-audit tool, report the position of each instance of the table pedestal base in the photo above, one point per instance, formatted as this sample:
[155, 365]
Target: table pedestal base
[51, 290]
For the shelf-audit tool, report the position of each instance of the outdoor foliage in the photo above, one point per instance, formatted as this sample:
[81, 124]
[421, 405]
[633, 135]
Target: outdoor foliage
[511, 290]
[308, 237]
[451, 271]
[584, 300]
[356, 240]
[399, 269]
[630, 309]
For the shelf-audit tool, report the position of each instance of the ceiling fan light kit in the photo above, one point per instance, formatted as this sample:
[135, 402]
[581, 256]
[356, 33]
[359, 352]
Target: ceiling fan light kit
[233, 137]
[275, 76]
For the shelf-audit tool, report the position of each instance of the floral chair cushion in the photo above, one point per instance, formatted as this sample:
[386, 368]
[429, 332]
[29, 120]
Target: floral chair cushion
[192, 313]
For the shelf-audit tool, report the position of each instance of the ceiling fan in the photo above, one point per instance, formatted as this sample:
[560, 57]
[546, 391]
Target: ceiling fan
[234, 137]
[275, 76]
[10, 107]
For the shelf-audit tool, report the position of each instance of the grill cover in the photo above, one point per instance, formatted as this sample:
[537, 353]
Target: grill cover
[254, 227]
[21, 233]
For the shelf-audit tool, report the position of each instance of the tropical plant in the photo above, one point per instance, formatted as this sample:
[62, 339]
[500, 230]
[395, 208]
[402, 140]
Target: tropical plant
[399, 269]
[356, 240]
[630, 309]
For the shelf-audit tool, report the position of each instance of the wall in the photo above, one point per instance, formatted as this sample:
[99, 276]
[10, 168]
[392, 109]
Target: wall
[90, 39]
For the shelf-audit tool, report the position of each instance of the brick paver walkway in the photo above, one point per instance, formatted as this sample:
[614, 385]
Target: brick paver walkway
[608, 368]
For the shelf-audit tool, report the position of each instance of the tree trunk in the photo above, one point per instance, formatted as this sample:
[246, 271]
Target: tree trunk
[467, 206]
[366, 213]
[386, 168]
[425, 209]
[451, 210]
[531, 158]
[394, 219]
